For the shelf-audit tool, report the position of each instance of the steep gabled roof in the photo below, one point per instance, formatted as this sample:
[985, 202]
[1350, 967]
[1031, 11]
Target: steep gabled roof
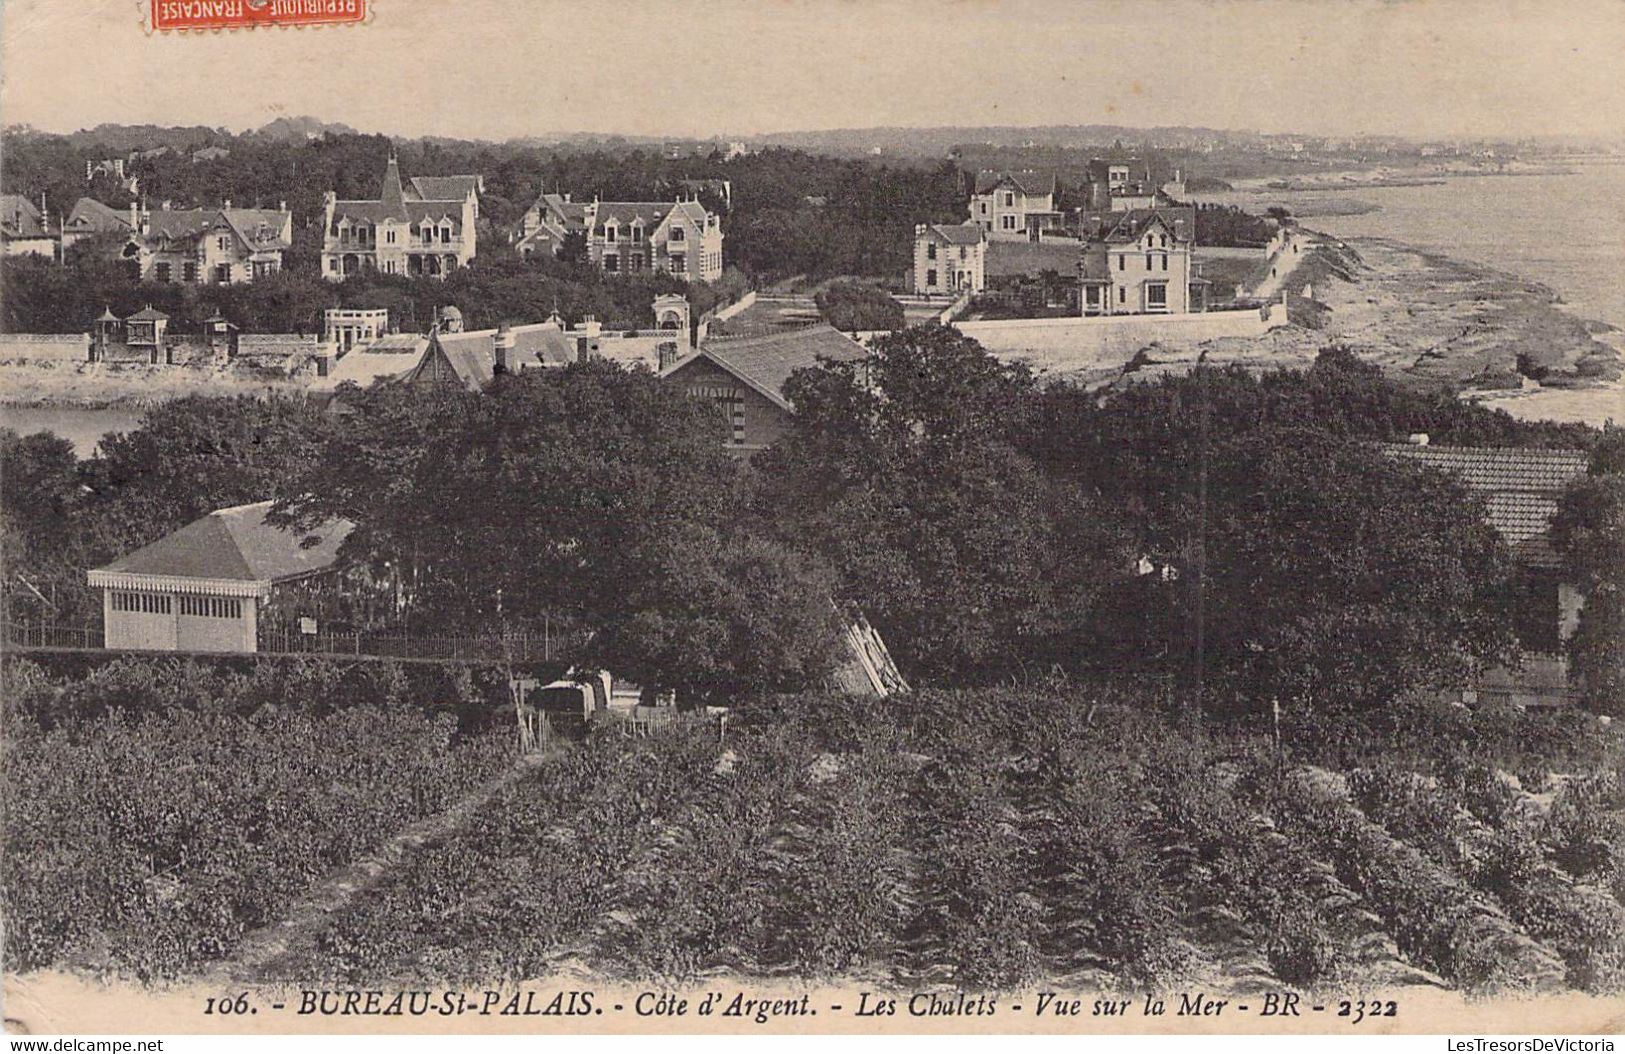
[20, 218]
[765, 363]
[235, 544]
[652, 213]
[1132, 224]
[90, 214]
[1025, 180]
[470, 356]
[260, 228]
[1520, 486]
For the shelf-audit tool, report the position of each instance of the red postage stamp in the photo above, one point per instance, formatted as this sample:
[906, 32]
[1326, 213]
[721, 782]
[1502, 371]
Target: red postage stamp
[244, 14]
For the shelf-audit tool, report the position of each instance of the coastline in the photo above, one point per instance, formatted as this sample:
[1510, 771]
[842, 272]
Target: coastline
[1431, 320]
[1424, 317]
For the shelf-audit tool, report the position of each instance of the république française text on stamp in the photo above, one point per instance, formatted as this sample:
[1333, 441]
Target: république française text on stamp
[177, 15]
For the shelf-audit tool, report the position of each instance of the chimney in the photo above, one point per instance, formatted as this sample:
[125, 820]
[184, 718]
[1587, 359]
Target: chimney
[227, 205]
[282, 206]
[590, 325]
[502, 348]
[1418, 439]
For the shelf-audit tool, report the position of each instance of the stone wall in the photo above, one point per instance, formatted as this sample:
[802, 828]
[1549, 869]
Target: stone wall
[44, 347]
[1066, 344]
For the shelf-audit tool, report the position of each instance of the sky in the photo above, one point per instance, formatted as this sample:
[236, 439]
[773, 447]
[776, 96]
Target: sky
[500, 68]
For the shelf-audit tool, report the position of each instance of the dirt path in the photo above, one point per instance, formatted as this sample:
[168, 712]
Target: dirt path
[263, 953]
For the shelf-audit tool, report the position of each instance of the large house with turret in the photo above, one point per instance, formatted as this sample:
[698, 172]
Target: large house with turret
[424, 227]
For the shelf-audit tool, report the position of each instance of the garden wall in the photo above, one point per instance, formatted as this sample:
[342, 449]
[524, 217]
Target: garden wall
[1090, 343]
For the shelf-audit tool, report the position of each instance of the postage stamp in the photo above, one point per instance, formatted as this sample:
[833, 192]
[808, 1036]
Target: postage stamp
[177, 15]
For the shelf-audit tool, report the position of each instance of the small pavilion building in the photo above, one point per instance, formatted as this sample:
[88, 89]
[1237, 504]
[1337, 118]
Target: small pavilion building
[210, 585]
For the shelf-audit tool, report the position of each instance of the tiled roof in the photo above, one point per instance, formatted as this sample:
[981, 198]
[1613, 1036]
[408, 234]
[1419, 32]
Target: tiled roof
[766, 362]
[1025, 180]
[1032, 258]
[443, 188]
[388, 356]
[624, 212]
[20, 218]
[1132, 223]
[260, 228]
[236, 544]
[574, 212]
[957, 233]
[1520, 487]
[88, 214]
[147, 314]
[471, 355]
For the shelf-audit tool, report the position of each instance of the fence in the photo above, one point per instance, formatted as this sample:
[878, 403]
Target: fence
[548, 646]
[40, 635]
[517, 648]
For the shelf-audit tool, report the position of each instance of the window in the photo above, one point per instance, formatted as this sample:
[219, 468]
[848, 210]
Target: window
[189, 271]
[161, 271]
[609, 234]
[983, 206]
[931, 277]
[1122, 262]
[677, 234]
[635, 262]
[1164, 239]
[211, 607]
[1148, 261]
[961, 252]
[1007, 222]
[264, 267]
[1009, 199]
[931, 251]
[222, 274]
[1165, 261]
[1156, 296]
[637, 235]
[679, 264]
[141, 603]
[223, 243]
[612, 263]
[445, 235]
[1122, 295]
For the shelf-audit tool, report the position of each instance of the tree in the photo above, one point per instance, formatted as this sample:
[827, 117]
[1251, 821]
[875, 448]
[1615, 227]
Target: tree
[593, 496]
[855, 306]
[1589, 533]
[40, 533]
[900, 472]
[193, 455]
[1333, 573]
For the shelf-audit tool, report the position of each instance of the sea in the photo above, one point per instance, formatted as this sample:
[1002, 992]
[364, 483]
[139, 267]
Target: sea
[1566, 231]
[81, 426]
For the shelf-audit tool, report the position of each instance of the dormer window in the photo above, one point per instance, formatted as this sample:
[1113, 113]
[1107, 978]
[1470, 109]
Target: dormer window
[609, 233]
[637, 233]
[677, 234]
